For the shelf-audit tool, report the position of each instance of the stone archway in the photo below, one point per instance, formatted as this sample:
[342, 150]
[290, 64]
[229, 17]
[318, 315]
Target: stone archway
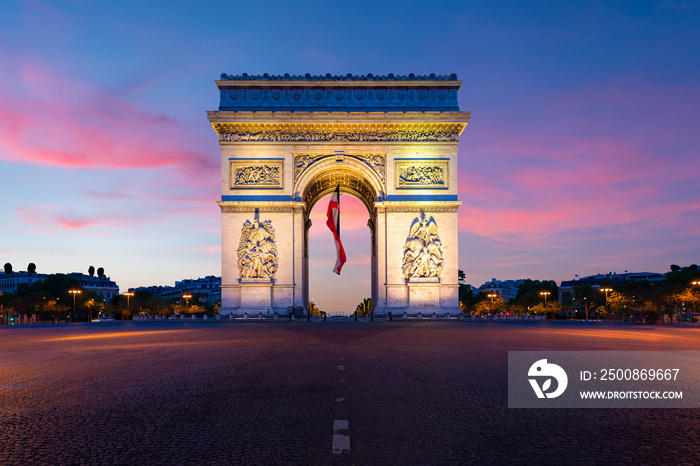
[356, 177]
[391, 142]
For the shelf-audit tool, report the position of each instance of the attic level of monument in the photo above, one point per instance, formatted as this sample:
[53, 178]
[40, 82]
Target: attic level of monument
[368, 93]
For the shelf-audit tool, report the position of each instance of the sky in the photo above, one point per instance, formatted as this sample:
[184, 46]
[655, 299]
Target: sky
[581, 156]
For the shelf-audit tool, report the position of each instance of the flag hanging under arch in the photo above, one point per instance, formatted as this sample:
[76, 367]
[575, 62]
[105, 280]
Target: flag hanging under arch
[333, 223]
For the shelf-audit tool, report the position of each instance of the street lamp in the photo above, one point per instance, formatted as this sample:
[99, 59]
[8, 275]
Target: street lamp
[492, 295]
[74, 293]
[606, 291]
[187, 299]
[128, 295]
[545, 294]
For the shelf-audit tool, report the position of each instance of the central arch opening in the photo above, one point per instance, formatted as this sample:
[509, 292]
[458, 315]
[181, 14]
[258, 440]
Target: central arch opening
[331, 293]
[359, 190]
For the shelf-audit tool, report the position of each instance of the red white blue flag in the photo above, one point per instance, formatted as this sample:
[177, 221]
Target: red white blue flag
[333, 223]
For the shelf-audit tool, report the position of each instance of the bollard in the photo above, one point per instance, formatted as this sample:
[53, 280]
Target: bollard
[230, 316]
[390, 316]
[245, 316]
[260, 316]
[405, 315]
[324, 316]
[434, 316]
[355, 315]
[371, 316]
[308, 316]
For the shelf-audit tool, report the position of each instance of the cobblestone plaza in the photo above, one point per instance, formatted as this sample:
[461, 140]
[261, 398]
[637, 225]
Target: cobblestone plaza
[279, 393]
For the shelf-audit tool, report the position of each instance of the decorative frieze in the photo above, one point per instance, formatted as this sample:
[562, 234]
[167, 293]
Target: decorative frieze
[422, 253]
[257, 174]
[257, 250]
[340, 136]
[423, 174]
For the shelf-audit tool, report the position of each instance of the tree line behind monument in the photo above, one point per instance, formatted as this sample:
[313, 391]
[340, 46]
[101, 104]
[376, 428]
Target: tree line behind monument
[632, 300]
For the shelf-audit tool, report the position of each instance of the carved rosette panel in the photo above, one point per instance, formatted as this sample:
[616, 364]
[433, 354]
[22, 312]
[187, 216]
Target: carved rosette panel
[375, 161]
[258, 174]
[339, 136]
[421, 174]
[422, 253]
[257, 251]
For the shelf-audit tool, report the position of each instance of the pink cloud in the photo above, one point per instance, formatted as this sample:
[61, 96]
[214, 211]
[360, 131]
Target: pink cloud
[53, 120]
[596, 159]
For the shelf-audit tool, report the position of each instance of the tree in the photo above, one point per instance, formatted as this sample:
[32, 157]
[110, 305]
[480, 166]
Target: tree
[529, 292]
[467, 299]
[314, 310]
[364, 308]
[461, 276]
[8, 267]
[91, 271]
[485, 307]
[31, 268]
[94, 306]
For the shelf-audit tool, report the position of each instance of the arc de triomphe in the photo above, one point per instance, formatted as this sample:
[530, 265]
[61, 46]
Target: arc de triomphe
[288, 141]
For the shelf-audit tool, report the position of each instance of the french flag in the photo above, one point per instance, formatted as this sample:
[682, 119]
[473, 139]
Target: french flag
[333, 223]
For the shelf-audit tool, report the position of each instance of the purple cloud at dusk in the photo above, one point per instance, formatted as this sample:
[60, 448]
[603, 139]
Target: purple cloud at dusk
[581, 155]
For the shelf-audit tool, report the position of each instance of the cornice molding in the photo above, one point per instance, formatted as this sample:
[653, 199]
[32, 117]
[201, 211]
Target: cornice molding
[328, 77]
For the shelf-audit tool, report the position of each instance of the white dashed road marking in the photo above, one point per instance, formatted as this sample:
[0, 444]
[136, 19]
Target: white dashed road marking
[341, 443]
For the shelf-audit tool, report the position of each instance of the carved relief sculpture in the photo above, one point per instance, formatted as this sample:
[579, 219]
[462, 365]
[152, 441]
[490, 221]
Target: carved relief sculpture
[257, 251]
[303, 161]
[257, 174]
[260, 175]
[421, 174]
[422, 253]
[424, 175]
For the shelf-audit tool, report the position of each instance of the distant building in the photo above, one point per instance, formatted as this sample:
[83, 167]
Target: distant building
[10, 281]
[505, 289]
[101, 285]
[207, 289]
[567, 286]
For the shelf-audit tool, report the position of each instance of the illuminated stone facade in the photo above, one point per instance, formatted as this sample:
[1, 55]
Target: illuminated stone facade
[390, 141]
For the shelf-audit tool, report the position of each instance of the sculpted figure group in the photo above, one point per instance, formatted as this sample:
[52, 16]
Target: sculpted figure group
[422, 253]
[257, 251]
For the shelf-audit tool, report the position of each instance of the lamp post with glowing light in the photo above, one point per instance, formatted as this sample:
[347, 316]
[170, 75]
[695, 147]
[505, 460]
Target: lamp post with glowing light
[491, 295]
[128, 295]
[74, 293]
[545, 294]
[606, 291]
[187, 299]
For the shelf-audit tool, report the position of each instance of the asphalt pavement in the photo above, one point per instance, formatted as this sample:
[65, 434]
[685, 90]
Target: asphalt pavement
[394, 393]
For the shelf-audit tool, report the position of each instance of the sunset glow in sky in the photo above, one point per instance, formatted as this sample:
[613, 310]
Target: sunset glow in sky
[582, 154]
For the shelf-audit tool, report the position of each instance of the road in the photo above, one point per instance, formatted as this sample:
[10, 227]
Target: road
[173, 392]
